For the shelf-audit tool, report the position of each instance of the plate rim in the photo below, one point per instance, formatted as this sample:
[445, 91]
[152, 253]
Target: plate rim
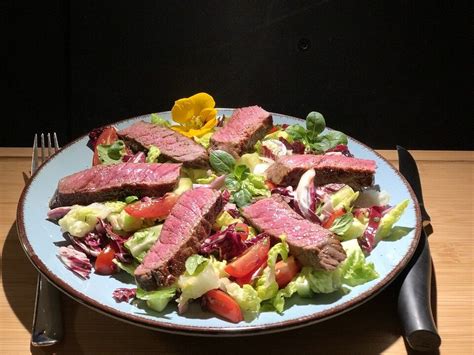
[214, 331]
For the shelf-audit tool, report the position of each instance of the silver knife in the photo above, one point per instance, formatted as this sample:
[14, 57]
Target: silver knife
[414, 300]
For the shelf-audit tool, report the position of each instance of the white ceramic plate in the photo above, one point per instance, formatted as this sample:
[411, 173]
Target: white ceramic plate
[38, 237]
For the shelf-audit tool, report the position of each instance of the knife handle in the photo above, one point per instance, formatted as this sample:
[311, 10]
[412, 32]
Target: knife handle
[414, 302]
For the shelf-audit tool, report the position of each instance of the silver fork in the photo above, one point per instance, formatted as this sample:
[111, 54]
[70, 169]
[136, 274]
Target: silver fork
[47, 326]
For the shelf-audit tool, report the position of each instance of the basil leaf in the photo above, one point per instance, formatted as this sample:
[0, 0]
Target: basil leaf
[241, 172]
[315, 124]
[296, 131]
[159, 121]
[222, 162]
[342, 224]
[195, 264]
[242, 198]
[232, 183]
[329, 141]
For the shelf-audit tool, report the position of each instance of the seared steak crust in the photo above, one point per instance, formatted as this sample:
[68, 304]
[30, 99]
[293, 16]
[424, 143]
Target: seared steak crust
[357, 173]
[310, 243]
[111, 182]
[245, 127]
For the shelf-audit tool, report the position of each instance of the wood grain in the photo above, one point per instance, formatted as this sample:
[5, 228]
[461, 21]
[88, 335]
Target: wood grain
[372, 328]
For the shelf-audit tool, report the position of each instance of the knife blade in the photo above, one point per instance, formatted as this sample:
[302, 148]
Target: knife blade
[414, 300]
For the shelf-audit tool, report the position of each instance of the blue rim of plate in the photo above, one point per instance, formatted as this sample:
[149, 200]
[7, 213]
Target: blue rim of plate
[214, 331]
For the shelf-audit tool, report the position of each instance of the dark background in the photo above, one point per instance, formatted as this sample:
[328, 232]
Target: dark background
[385, 72]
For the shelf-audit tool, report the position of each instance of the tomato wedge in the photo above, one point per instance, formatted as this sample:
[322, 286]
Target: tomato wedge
[250, 260]
[108, 136]
[104, 264]
[223, 305]
[270, 185]
[248, 279]
[285, 271]
[338, 213]
[153, 207]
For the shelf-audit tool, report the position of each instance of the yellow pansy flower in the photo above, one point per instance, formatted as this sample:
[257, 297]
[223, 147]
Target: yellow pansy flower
[196, 115]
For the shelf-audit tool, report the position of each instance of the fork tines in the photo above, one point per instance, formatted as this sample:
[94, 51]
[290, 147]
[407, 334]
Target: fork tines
[45, 155]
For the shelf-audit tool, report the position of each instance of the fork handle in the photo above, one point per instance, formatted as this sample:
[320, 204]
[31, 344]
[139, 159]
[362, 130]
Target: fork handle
[47, 319]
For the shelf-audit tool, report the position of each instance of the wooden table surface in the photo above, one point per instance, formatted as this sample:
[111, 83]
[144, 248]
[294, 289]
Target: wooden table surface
[372, 328]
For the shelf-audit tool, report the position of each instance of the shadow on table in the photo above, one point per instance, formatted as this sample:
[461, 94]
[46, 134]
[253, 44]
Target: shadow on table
[369, 329]
[19, 284]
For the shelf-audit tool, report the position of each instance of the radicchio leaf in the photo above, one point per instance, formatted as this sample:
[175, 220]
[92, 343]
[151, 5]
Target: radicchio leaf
[225, 244]
[93, 136]
[91, 244]
[58, 212]
[139, 157]
[367, 241]
[124, 294]
[75, 261]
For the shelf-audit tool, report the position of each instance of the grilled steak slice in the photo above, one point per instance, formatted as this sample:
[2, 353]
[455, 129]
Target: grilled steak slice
[187, 225]
[110, 182]
[245, 127]
[310, 243]
[356, 173]
[173, 146]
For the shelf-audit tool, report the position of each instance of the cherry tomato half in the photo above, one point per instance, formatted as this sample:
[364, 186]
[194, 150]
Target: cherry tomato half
[250, 260]
[223, 305]
[286, 270]
[104, 264]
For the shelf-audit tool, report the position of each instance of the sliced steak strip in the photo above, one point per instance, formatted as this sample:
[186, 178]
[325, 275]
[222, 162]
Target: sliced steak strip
[187, 225]
[173, 146]
[245, 127]
[310, 243]
[357, 173]
[111, 182]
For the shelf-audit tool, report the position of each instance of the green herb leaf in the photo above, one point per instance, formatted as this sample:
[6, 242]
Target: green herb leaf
[315, 124]
[241, 172]
[342, 224]
[328, 141]
[160, 121]
[242, 198]
[296, 132]
[232, 183]
[222, 162]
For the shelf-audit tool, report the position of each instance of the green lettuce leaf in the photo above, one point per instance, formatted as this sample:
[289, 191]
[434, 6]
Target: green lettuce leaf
[247, 298]
[81, 220]
[342, 224]
[111, 153]
[128, 268]
[390, 218]
[355, 270]
[153, 154]
[195, 264]
[159, 299]
[122, 221]
[184, 184]
[140, 242]
[159, 121]
[204, 140]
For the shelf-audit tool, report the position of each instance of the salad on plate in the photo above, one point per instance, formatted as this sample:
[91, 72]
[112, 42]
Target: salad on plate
[236, 213]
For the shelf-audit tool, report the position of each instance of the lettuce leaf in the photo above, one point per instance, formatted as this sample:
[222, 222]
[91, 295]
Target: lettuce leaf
[111, 153]
[81, 220]
[153, 154]
[159, 121]
[159, 299]
[247, 298]
[141, 241]
[204, 140]
[390, 218]
[355, 270]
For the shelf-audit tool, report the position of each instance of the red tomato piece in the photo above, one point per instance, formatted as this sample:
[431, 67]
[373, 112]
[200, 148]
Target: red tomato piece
[104, 264]
[248, 279]
[338, 213]
[223, 305]
[286, 270]
[273, 129]
[250, 260]
[153, 208]
[108, 136]
[243, 230]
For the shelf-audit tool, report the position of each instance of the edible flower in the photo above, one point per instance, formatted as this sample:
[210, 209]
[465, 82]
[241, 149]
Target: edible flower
[196, 115]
